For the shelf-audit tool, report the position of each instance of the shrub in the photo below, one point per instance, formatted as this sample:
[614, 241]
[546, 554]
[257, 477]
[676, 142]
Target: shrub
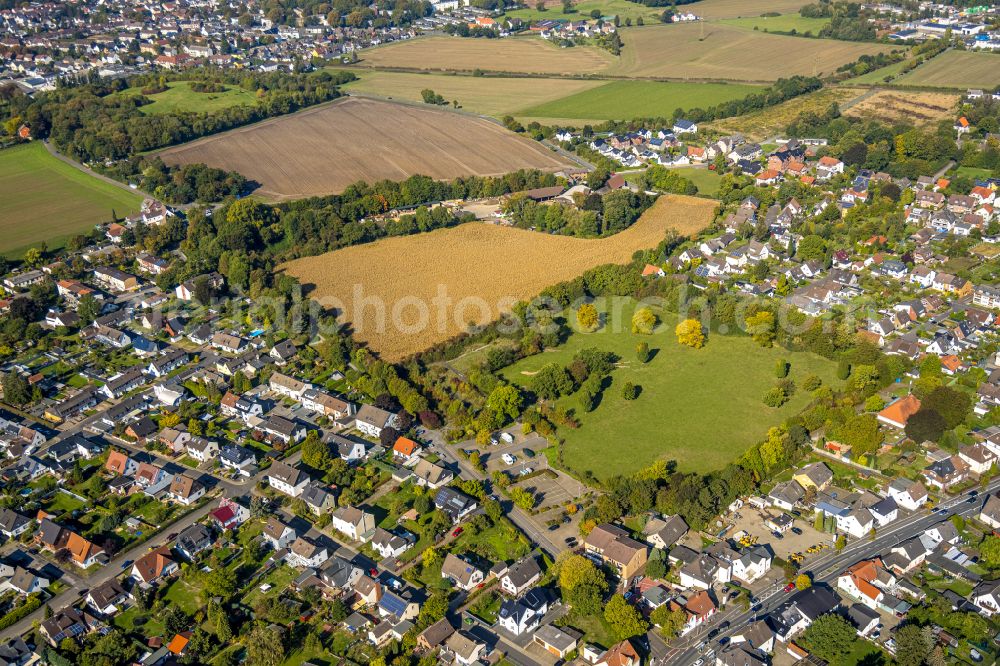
[775, 397]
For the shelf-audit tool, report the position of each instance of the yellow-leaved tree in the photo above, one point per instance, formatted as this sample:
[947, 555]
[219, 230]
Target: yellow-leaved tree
[690, 333]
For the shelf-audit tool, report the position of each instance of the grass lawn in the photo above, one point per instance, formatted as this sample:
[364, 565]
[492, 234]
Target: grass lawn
[279, 578]
[974, 172]
[878, 75]
[180, 97]
[63, 502]
[707, 181]
[639, 99]
[188, 461]
[784, 23]
[700, 407]
[44, 199]
[595, 629]
[126, 621]
[497, 541]
[185, 594]
[622, 8]
[487, 606]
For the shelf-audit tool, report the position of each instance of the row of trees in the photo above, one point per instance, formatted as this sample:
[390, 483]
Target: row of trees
[93, 123]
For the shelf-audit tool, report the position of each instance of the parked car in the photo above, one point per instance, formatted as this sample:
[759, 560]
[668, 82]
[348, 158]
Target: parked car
[458, 530]
[796, 530]
[509, 459]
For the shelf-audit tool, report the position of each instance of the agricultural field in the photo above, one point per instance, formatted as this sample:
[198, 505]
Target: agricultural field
[44, 199]
[918, 108]
[782, 23]
[527, 55]
[622, 100]
[483, 268]
[700, 407]
[492, 96]
[727, 9]
[324, 149]
[719, 52]
[766, 123]
[956, 69]
[624, 9]
[180, 98]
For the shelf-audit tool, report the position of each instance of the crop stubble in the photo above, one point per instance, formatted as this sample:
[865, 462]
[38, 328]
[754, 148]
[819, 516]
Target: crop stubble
[323, 150]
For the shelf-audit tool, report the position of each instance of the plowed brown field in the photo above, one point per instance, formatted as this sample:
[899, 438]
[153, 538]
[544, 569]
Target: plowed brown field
[391, 292]
[323, 150]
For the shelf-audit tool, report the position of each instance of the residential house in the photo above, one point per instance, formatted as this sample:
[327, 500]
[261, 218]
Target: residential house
[371, 420]
[304, 553]
[613, 546]
[899, 411]
[107, 598]
[354, 523]
[454, 503]
[816, 475]
[285, 479]
[910, 495]
[520, 576]
[463, 575]
[278, 534]
[185, 490]
[154, 566]
[431, 475]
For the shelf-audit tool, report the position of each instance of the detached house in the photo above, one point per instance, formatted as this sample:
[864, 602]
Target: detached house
[613, 546]
[285, 479]
[520, 576]
[371, 420]
[462, 574]
[354, 523]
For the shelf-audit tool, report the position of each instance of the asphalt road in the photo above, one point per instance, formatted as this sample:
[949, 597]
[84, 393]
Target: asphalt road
[537, 533]
[826, 570]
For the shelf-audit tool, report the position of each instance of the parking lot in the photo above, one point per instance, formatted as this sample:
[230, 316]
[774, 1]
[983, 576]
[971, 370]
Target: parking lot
[553, 493]
[754, 522]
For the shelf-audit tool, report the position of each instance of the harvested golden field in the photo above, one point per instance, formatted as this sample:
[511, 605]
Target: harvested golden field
[720, 52]
[768, 122]
[956, 69]
[724, 9]
[528, 55]
[492, 96]
[392, 292]
[324, 149]
[917, 108]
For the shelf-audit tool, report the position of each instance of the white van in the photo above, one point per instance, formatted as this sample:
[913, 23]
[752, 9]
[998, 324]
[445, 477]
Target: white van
[509, 459]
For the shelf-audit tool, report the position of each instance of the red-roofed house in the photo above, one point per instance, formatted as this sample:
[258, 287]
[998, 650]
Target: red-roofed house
[899, 412]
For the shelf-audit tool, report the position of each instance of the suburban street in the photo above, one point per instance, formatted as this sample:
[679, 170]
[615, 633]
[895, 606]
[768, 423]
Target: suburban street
[826, 569]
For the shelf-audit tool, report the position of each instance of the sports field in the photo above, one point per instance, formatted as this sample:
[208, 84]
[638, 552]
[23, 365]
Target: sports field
[621, 100]
[528, 55]
[958, 70]
[324, 149]
[179, 98]
[783, 23]
[469, 273]
[700, 407]
[493, 96]
[43, 199]
[720, 52]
